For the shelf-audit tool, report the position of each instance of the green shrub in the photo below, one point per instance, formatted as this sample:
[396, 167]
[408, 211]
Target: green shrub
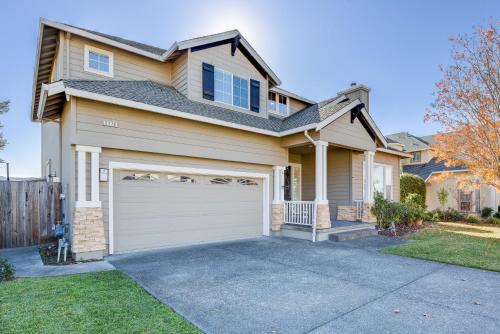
[447, 215]
[412, 184]
[473, 220]
[486, 212]
[7, 270]
[442, 196]
[497, 215]
[386, 212]
[413, 209]
[492, 220]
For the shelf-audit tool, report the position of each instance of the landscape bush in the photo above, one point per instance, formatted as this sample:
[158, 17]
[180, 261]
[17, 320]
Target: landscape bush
[413, 209]
[497, 215]
[449, 214]
[473, 220]
[492, 220]
[486, 212]
[7, 270]
[412, 184]
[386, 212]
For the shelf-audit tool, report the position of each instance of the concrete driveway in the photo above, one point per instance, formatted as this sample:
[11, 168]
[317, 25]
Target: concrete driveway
[274, 285]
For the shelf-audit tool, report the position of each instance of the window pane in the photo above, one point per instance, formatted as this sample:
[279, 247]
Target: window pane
[240, 92]
[94, 64]
[222, 86]
[104, 67]
[388, 175]
[378, 179]
[93, 56]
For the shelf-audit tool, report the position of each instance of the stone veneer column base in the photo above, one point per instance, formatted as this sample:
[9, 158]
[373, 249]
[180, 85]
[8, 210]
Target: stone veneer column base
[368, 216]
[346, 212]
[278, 217]
[88, 242]
[323, 216]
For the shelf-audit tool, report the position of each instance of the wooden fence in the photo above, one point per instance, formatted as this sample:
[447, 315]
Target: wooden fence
[28, 211]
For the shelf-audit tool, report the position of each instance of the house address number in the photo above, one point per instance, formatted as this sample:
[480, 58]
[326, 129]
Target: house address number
[113, 124]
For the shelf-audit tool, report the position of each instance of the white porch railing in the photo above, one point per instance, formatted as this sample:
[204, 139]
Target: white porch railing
[359, 209]
[300, 212]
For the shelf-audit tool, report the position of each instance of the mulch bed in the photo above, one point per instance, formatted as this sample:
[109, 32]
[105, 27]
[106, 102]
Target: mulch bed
[401, 230]
[48, 253]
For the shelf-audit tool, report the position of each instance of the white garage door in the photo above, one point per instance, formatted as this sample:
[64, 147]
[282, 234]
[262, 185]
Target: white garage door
[153, 210]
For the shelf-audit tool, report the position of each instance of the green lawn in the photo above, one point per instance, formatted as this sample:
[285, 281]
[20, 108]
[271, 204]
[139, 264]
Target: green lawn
[105, 302]
[468, 246]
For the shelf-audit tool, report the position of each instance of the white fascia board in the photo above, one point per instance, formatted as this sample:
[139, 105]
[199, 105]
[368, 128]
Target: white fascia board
[299, 129]
[402, 154]
[100, 39]
[374, 126]
[42, 99]
[445, 171]
[338, 114]
[290, 94]
[37, 60]
[55, 88]
[191, 43]
[165, 111]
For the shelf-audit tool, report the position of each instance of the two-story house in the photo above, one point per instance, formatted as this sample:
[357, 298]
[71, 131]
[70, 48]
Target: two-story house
[197, 143]
[435, 173]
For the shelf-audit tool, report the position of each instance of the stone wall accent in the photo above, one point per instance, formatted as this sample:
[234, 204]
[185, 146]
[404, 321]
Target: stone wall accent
[368, 216]
[88, 233]
[346, 212]
[323, 216]
[278, 216]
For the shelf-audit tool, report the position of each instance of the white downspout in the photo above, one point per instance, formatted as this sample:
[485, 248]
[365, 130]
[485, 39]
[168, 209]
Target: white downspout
[306, 134]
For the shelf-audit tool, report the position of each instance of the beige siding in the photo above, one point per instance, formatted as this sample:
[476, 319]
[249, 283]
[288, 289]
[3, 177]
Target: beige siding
[350, 135]
[357, 175]
[151, 132]
[108, 155]
[425, 157]
[296, 105]
[220, 56]
[432, 188]
[51, 148]
[180, 74]
[308, 177]
[392, 160]
[298, 139]
[127, 66]
[338, 179]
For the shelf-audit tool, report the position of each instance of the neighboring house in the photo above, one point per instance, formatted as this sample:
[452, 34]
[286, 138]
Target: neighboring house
[428, 167]
[196, 143]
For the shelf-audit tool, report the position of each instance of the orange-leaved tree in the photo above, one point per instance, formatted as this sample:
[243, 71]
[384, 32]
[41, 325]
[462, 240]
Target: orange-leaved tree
[467, 105]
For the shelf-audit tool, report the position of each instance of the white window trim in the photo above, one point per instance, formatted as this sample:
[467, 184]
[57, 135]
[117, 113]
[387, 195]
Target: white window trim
[87, 50]
[266, 226]
[232, 88]
[375, 164]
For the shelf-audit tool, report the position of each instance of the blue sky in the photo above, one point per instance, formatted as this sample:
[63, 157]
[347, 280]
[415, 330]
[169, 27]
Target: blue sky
[316, 48]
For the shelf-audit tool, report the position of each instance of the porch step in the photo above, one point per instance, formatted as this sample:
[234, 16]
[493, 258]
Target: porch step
[352, 234]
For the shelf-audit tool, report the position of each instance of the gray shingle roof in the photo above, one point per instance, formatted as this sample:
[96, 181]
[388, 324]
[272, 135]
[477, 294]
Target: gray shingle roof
[145, 47]
[424, 170]
[155, 94]
[411, 143]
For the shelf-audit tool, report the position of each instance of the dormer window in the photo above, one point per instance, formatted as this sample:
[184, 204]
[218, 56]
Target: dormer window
[98, 61]
[417, 156]
[230, 89]
[277, 104]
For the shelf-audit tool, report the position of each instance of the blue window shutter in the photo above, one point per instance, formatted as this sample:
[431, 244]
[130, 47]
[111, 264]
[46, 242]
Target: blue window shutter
[208, 81]
[254, 95]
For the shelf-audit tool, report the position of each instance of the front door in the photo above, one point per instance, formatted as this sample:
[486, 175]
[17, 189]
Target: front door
[293, 184]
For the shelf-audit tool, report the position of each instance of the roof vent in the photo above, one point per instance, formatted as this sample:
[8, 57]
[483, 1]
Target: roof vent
[353, 84]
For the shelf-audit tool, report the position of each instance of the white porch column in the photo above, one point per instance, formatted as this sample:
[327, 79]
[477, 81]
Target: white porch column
[278, 207]
[368, 191]
[322, 207]
[321, 165]
[82, 201]
[279, 185]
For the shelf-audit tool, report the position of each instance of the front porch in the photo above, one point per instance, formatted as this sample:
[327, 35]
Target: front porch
[326, 189]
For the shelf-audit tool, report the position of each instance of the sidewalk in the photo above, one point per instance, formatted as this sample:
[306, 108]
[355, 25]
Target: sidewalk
[29, 264]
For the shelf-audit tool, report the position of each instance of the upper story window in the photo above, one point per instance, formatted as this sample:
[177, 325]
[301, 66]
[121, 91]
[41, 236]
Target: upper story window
[98, 61]
[230, 89]
[271, 102]
[277, 104]
[417, 157]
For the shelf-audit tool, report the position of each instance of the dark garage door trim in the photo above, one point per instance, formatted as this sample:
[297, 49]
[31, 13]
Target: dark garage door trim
[188, 170]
